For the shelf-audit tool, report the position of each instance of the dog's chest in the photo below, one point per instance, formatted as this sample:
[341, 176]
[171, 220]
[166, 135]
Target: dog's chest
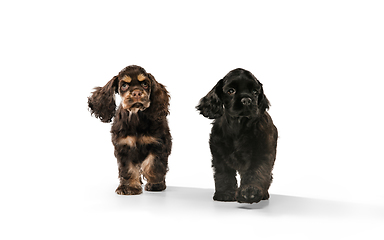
[240, 142]
[134, 141]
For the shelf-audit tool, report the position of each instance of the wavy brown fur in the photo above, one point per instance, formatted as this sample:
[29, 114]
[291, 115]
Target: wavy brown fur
[140, 132]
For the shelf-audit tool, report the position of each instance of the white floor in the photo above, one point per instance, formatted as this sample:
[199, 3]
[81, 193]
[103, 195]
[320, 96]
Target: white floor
[186, 213]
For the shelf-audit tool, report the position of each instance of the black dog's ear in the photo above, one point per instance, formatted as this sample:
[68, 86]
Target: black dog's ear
[211, 105]
[102, 102]
[262, 101]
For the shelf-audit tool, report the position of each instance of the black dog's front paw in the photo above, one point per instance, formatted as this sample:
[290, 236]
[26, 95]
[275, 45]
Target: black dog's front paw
[224, 196]
[128, 190]
[248, 194]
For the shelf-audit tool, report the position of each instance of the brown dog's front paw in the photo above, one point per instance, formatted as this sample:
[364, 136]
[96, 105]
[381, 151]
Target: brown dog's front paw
[128, 190]
[224, 196]
[155, 186]
[248, 194]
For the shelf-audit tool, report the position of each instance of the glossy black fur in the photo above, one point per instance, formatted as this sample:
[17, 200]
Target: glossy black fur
[243, 138]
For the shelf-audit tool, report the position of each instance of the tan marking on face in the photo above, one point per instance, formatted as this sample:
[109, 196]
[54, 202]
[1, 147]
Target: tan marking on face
[141, 77]
[127, 79]
[129, 140]
[145, 140]
[147, 166]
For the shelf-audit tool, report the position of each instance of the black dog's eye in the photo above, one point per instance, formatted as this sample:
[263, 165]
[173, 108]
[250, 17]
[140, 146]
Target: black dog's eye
[124, 87]
[144, 85]
[254, 92]
[231, 91]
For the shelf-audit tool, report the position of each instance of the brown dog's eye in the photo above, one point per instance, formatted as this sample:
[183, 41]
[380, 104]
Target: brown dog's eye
[124, 87]
[231, 91]
[144, 85]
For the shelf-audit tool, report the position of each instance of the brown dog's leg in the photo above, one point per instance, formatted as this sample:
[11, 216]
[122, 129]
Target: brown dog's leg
[154, 170]
[130, 179]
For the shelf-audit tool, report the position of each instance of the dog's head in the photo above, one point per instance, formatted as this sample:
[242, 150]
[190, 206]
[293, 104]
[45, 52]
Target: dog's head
[138, 90]
[238, 94]
[134, 87]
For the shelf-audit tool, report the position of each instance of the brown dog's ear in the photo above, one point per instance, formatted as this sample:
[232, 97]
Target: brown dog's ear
[211, 105]
[159, 100]
[102, 102]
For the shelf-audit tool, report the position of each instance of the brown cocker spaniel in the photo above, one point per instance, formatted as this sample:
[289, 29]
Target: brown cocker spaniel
[243, 137]
[140, 132]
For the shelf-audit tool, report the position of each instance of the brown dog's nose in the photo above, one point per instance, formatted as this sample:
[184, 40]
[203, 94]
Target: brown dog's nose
[136, 94]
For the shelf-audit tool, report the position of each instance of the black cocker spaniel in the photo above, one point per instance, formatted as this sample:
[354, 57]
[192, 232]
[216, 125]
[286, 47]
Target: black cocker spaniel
[140, 132]
[243, 137]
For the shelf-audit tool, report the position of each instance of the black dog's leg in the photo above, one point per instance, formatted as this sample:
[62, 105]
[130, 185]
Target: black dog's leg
[249, 190]
[255, 182]
[225, 181]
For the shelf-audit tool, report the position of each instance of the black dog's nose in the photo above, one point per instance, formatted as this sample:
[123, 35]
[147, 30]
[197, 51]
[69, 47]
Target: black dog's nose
[246, 101]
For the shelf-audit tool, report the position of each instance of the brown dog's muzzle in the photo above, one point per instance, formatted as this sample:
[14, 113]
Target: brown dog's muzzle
[136, 99]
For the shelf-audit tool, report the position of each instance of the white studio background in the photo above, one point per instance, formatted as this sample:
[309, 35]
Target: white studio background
[321, 64]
